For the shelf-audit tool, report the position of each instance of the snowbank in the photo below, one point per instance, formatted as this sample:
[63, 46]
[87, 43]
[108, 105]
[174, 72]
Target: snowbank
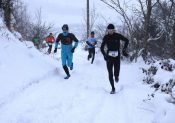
[20, 65]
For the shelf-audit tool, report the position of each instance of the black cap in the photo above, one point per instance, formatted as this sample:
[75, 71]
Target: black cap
[65, 27]
[92, 33]
[110, 26]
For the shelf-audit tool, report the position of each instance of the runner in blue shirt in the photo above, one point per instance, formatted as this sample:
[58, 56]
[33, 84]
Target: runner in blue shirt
[91, 42]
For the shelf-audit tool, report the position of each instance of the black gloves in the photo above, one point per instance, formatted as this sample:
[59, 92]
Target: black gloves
[73, 49]
[55, 50]
[105, 57]
[125, 53]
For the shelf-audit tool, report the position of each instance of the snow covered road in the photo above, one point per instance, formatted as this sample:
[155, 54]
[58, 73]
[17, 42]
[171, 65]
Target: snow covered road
[84, 98]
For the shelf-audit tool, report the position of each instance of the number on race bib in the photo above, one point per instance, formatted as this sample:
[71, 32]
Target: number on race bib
[113, 53]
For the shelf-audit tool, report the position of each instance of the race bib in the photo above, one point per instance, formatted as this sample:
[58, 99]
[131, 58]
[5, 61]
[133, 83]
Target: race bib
[113, 53]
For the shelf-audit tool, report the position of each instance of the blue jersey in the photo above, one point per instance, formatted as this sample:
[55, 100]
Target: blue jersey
[91, 41]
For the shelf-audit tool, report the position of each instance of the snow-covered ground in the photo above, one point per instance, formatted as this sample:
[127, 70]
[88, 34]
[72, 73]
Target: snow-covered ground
[32, 89]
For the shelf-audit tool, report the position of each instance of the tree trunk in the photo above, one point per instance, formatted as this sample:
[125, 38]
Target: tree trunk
[7, 13]
[173, 41]
[88, 18]
[146, 26]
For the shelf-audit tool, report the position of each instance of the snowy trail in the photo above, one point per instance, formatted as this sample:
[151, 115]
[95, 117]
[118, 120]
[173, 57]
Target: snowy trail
[84, 98]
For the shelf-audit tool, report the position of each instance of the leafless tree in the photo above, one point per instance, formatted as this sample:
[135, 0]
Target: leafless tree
[168, 16]
[7, 6]
[121, 9]
[139, 23]
[146, 9]
[22, 19]
[40, 28]
[30, 27]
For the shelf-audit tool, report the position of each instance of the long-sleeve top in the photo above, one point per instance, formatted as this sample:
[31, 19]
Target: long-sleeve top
[113, 43]
[91, 42]
[66, 39]
[50, 39]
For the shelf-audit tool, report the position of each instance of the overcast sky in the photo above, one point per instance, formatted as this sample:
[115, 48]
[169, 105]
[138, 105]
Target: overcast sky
[68, 11]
